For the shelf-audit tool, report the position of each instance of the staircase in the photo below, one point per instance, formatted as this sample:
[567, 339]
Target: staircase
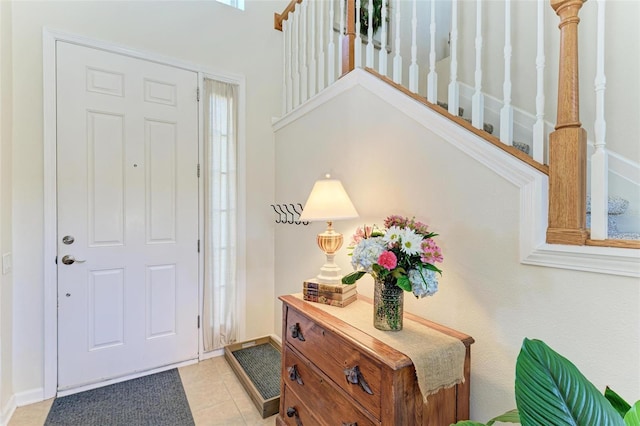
[324, 40]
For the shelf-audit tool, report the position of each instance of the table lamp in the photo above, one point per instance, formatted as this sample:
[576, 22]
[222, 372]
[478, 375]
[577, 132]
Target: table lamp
[328, 201]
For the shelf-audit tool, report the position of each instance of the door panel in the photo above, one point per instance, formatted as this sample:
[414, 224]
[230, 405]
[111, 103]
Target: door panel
[128, 194]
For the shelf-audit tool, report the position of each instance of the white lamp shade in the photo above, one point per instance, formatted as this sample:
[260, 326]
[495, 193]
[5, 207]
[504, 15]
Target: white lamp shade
[328, 201]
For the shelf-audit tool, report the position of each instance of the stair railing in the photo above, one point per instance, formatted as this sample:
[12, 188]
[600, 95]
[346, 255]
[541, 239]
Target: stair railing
[327, 23]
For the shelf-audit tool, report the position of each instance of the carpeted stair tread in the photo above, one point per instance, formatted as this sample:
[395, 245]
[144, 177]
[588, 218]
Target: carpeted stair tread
[616, 205]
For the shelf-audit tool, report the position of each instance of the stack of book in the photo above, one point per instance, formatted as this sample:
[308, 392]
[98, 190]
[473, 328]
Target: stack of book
[330, 294]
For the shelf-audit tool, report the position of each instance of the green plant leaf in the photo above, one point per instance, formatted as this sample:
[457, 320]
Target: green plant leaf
[620, 405]
[404, 283]
[550, 390]
[511, 416]
[352, 277]
[632, 418]
[469, 423]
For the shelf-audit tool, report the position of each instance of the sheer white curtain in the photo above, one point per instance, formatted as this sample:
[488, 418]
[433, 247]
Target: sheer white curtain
[220, 189]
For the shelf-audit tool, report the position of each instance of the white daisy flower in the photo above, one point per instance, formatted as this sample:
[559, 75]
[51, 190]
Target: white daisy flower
[410, 241]
[392, 235]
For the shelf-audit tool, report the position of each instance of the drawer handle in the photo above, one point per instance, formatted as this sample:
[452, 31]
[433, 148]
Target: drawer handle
[294, 374]
[355, 377]
[350, 424]
[296, 333]
[292, 412]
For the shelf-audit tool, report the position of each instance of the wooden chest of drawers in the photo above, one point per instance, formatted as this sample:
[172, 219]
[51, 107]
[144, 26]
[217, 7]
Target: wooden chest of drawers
[335, 374]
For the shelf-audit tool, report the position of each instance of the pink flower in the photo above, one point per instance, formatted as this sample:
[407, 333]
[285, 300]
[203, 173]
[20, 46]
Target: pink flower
[388, 260]
[431, 253]
[361, 233]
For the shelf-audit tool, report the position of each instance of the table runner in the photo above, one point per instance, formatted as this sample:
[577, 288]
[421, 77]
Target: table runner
[437, 357]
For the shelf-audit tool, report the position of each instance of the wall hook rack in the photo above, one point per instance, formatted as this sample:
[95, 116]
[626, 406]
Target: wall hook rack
[288, 213]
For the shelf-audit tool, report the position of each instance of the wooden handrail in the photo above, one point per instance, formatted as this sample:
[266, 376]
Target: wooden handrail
[568, 143]
[279, 17]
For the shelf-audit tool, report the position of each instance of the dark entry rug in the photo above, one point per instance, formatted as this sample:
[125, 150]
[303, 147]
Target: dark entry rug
[155, 400]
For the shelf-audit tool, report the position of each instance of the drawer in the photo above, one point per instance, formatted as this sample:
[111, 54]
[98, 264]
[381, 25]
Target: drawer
[320, 396]
[333, 355]
[300, 414]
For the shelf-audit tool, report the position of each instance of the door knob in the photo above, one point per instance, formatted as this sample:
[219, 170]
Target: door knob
[70, 260]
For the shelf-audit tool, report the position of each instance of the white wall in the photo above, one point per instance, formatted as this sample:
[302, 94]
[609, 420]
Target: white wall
[6, 284]
[389, 164]
[208, 33]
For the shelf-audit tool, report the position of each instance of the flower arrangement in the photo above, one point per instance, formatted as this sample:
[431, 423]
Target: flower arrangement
[404, 250]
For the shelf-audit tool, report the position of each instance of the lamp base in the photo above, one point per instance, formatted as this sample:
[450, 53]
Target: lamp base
[330, 272]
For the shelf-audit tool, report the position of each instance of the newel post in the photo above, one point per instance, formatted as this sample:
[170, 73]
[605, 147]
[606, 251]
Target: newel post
[348, 43]
[568, 143]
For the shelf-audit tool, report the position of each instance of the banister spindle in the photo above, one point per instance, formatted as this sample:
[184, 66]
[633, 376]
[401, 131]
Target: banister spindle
[382, 55]
[288, 82]
[313, 66]
[506, 113]
[369, 50]
[567, 144]
[413, 68]
[341, 36]
[477, 100]
[599, 159]
[357, 48]
[397, 59]
[432, 77]
[454, 89]
[538, 127]
[331, 48]
[295, 55]
[321, 62]
[304, 69]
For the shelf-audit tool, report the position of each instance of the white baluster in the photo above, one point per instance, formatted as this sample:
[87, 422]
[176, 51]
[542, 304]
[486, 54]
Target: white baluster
[432, 77]
[397, 59]
[538, 127]
[312, 61]
[454, 89]
[506, 113]
[369, 52]
[599, 159]
[477, 100]
[304, 69]
[413, 68]
[331, 49]
[295, 55]
[382, 55]
[287, 83]
[357, 45]
[341, 35]
[321, 29]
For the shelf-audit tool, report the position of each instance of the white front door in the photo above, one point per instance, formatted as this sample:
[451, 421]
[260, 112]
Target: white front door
[127, 152]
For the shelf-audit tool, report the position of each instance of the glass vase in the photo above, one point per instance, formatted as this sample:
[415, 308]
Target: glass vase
[388, 305]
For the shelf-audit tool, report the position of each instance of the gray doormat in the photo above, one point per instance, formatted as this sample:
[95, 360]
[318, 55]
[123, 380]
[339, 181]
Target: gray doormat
[262, 365]
[155, 400]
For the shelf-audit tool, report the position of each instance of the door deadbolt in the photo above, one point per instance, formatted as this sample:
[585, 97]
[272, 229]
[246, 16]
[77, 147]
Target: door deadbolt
[68, 239]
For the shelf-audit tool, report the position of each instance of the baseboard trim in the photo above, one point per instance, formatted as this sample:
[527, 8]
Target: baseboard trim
[29, 397]
[8, 410]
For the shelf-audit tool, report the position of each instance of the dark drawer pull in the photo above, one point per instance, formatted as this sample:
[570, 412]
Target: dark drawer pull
[350, 424]
[355, 377]
[294, 374]
[292, 412]
[296, 333]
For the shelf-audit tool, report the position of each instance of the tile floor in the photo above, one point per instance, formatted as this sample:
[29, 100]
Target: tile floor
[215, 396]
